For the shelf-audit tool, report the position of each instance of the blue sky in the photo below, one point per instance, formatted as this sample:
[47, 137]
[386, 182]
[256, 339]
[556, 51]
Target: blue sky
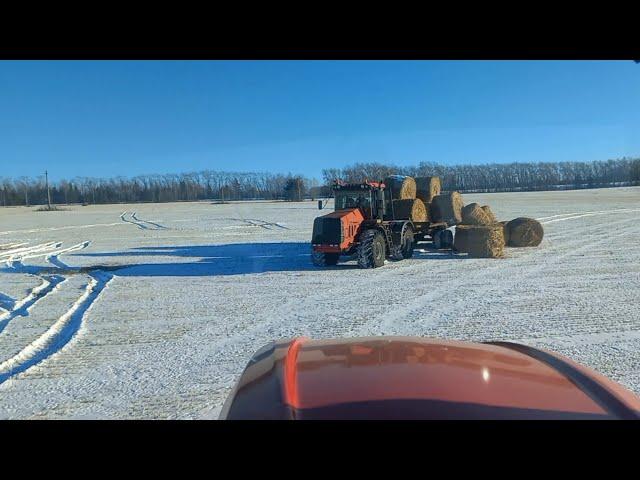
[108, 118]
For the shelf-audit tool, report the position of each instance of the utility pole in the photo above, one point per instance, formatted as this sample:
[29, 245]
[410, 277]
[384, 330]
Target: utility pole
[46, 179]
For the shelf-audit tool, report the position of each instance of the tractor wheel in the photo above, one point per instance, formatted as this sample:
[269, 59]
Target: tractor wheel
[321, 259]
[371, 250]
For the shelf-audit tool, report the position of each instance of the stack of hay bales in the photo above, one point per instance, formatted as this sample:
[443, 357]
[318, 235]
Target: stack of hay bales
[479, 234]
[405, 204]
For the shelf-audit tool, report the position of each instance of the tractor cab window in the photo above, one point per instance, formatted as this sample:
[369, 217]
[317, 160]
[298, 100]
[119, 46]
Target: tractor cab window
[359, 199]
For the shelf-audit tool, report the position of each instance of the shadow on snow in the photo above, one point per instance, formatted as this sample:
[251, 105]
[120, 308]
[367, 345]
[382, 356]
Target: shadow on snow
[213, 260]
[233, 259]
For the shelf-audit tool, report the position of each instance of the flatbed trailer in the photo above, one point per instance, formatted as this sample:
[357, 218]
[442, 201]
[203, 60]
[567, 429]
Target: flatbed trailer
[437, 233]
[424, 231]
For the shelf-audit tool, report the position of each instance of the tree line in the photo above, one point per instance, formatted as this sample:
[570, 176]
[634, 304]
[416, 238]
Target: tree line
[205, 185]
[227, 186]
[503, 177]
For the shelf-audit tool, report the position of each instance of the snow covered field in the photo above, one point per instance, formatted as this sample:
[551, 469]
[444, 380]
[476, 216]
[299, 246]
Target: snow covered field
[152, 310]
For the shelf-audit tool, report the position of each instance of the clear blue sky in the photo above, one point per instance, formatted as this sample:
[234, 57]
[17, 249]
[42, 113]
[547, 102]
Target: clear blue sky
[105, 118]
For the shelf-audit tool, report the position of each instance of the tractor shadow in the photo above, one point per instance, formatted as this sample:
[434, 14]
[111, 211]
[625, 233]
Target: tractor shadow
[217, 260]
[233, 259]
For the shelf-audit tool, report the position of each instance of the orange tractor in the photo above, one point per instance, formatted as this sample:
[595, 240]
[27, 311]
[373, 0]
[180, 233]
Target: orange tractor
[364, 225]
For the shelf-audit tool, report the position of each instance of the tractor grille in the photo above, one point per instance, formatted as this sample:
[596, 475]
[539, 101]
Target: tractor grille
[327, 231]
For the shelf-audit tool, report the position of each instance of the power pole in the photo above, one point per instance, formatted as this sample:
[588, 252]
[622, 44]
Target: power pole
[46, 179]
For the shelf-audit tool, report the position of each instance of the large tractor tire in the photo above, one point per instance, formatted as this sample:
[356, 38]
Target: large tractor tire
[321, 259]
[407, 243]
[372, 249]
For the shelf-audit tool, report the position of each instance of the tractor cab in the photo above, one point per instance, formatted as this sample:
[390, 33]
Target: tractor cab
[367, 196]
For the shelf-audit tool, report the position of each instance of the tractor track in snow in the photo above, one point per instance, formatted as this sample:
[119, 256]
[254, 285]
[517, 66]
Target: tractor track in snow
[296, 310]
[254, 222]
[59, 334]
[153, 224]
[9, 246]
[140, 223]
[22, 307]
[52, 278]
[55, 229]
[515, 272]
[575, 215]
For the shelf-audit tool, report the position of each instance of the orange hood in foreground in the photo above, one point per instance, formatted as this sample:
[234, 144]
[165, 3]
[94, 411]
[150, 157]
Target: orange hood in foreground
[412, 377]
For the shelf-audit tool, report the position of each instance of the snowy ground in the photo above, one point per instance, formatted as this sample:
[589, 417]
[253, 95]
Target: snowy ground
[151, 311]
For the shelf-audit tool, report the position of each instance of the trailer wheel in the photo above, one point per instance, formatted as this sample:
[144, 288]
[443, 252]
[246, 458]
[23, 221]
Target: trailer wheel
[437, 239]
[447, 239]
[407, 242]
[371, 250]
[321, 259]
[443, 239]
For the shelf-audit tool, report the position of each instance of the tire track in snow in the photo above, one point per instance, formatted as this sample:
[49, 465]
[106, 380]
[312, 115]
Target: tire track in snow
[572, 216]
[157, 225]
[53, 259]
[69, 227]
[131, 221]
[58, 336]
[23, 250]
[138, 222]
[264, 223]
[409, 310]
[254, 222]
[22, 307]
[15, 261]
[9, 246]
[49, 282]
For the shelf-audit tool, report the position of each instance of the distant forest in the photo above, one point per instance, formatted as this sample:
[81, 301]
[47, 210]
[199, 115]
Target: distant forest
[225, 186]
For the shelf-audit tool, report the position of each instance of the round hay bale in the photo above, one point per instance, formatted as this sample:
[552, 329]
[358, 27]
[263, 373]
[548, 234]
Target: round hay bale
[474, 214]
[505, 232]
[480, 241]
[525, 232]
[401, 187]
[489, 213]
[411, 209]
[427, 188]
[447, 208]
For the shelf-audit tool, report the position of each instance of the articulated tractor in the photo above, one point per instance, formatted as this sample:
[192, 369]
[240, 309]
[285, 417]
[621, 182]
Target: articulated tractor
[366, 223]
